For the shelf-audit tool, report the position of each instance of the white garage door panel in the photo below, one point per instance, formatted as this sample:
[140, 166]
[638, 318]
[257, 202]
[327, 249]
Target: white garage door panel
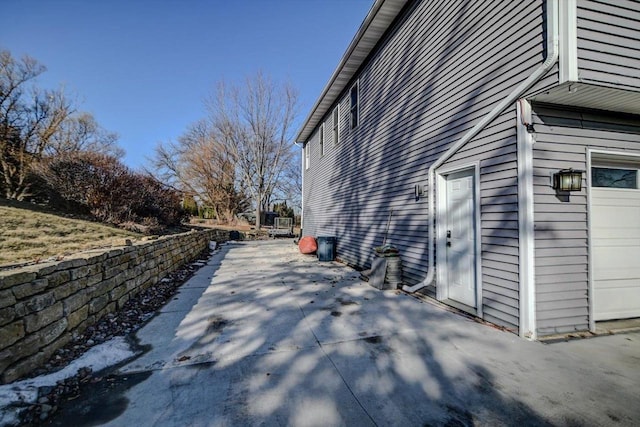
[617, 302]
[617, 236]
[616, 257]
[615, 231]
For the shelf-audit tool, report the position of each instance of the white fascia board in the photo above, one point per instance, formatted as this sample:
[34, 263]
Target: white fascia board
[568, 34]
[380, 17]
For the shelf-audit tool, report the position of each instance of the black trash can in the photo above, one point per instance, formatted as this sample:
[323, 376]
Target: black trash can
[326, 248]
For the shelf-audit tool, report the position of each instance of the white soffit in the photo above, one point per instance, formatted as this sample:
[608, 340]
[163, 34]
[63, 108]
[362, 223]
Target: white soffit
[592, 96]
[378, 20]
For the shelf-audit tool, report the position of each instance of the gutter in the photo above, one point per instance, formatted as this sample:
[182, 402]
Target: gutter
[552, 58]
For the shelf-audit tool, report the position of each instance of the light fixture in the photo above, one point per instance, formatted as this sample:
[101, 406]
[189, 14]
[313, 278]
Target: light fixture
[568, 180]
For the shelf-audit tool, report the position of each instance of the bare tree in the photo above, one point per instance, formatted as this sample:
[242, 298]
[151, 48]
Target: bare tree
[255, 123]
[199, 165]
[35, 123]
[29, 118]
[290, 186]
[81, 132]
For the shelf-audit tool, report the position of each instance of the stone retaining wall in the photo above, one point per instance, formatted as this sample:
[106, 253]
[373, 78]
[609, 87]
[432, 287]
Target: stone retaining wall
[43, 305]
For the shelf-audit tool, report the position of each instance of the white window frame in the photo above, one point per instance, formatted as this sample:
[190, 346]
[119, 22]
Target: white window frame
[307, 155]
[356, 85]
[322, 139]
[335, 115]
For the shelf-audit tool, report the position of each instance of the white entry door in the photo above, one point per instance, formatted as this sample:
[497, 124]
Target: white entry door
[460, 234]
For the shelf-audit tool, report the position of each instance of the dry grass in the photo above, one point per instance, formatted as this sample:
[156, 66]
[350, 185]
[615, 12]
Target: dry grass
[28, 234]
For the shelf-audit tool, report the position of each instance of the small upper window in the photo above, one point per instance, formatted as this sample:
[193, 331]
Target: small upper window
[614, 178]
[307, 155]
[322, 140]
[354, 106]
[336, 124]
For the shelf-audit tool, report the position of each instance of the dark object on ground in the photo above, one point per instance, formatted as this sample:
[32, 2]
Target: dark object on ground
[326, 248]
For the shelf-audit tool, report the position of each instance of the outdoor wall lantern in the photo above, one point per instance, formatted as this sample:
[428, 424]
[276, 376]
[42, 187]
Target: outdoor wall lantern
[568, 180]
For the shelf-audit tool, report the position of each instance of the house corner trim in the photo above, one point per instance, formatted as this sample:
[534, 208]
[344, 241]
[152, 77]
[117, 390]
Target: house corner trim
[568, 35]
[526, 260]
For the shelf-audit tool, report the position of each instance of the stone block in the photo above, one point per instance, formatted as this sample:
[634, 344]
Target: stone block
[96, 259]
[130, 285]
[102, 288]
[11, 333]
[58, 277]
[23, 367]
[109, 308]
[27, 289]
[117, 292]
[113, 271]
[123, 277]
[60, 342]
[90, 320]
[43, 318]
[75, 318]
[31, 344]
[11, 278]
[123, 300]
[71, 263]
[94, 269]
[98, 303]
[94, 279]
[21, 309]
[114, 253]
[69, 288]
[6, 298]
[79, 272]
[7, 314]
[75, 301]
[39, 302]
[7, 357]
[48, 334]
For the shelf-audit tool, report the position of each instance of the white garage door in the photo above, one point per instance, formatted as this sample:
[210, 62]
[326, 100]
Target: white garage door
[615, 230]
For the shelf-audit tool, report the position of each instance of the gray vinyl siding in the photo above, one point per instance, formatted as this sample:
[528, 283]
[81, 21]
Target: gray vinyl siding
[609, 43]
[495, 149]
[438, 72]
[561, 247]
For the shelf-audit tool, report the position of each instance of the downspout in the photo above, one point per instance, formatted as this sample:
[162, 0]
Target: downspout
[302, 189]
[552, 57]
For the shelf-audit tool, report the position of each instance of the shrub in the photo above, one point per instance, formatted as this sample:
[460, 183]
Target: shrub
[111, 191]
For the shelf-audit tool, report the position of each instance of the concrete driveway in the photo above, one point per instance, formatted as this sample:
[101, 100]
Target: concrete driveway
[265, 336]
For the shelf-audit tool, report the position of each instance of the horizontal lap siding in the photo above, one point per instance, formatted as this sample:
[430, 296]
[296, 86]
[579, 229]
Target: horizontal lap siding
[561, 246]
[609, 42]
[442, 69]
[496, 150]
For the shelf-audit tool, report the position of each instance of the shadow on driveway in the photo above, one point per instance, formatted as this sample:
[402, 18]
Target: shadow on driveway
[265, 336]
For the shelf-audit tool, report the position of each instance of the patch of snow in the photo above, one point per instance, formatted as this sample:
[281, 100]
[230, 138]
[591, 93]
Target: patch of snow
[25, 392]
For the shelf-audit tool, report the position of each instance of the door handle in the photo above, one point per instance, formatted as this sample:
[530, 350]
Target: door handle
[448, 238]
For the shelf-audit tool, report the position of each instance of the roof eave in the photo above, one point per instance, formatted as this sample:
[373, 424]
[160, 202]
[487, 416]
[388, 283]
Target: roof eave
[378, 20]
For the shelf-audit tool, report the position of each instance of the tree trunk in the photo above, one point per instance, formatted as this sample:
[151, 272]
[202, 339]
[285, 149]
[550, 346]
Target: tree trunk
[258, 217]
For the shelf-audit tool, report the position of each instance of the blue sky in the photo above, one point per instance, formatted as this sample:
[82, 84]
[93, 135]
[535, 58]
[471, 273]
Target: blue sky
[143, 67]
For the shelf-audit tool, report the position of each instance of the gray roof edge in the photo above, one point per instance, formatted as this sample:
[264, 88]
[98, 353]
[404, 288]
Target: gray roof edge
[365, 28]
